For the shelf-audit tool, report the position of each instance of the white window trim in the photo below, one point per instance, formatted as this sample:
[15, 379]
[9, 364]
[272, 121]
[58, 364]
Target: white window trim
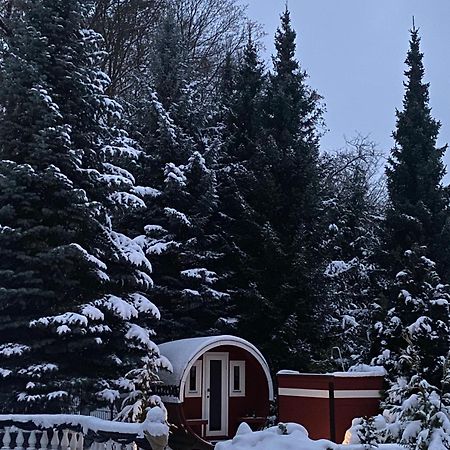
[198, 381]
[241, 365]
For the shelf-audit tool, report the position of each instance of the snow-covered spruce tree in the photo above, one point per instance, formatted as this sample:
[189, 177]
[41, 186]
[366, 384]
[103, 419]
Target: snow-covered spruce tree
[72, 289]
[415, 347]
[177, 167]
[354, 206]
[418, 202]
[289, 200]
[412, 341]
[415, 335]
[241, 172]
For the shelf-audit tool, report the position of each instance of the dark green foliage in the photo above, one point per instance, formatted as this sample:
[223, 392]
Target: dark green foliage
[415, 335]
[418, 209]
[71, 287]
[271, 200]
[177, 169]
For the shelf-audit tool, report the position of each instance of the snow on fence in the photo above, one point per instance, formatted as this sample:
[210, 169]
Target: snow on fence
[77, 432]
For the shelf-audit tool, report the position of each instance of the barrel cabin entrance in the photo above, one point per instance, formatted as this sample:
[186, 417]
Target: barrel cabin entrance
[217, 383]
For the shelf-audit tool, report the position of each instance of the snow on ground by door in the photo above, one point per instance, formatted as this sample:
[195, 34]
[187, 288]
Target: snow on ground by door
[290, 436]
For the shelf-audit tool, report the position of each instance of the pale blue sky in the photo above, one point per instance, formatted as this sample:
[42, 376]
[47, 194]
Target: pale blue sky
[354, 52]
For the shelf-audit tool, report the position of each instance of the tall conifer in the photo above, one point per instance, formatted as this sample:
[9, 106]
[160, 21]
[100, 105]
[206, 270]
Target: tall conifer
[418, 202]
[74, 316]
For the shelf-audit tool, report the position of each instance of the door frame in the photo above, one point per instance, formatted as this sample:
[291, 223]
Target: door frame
[207, 357]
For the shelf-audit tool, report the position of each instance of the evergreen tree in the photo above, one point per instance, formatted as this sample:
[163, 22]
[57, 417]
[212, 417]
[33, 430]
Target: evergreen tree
[177, 171]
[270, 190]
[241, 99]
[415, 223]
[74, 317]
[414, 349]
[290, 201]
[414, 337]
[418, 202]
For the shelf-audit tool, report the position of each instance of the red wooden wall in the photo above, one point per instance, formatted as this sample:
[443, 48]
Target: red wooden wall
[326, 404]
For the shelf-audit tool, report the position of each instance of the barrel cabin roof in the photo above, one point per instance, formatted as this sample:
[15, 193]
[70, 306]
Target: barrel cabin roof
[183, 353]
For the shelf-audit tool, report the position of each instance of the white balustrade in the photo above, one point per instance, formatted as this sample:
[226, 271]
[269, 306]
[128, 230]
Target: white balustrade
[15, 438]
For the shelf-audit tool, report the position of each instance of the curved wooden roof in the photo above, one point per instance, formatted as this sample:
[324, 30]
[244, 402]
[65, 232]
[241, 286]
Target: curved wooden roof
[183, 353]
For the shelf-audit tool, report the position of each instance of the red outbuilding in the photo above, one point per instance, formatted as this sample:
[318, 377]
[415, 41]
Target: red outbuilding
[217, 382]
[326, 404]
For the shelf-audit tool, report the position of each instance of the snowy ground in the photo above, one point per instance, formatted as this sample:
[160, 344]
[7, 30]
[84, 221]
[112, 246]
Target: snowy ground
[291, 436]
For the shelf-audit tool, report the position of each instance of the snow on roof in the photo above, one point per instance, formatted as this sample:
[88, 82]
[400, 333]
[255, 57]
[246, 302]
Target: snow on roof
[358, 371]
[183, 353]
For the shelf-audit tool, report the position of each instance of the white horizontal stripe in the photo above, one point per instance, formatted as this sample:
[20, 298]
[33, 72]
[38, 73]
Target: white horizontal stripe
[357, 394]
[320, 393]
[293, 392]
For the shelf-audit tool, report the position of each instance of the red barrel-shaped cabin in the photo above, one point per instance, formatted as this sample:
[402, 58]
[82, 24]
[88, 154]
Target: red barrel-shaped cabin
[326, 404]
[217, 382]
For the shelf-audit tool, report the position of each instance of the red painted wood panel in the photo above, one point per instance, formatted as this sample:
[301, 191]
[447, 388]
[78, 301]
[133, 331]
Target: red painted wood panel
[314, 412]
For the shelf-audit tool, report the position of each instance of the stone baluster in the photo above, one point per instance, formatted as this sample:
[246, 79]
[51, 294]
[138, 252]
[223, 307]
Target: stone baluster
[81, 441]
[43, 443]
[6, 439]
[32, 440]
[65, 440]
[20, 439]
[54, 443]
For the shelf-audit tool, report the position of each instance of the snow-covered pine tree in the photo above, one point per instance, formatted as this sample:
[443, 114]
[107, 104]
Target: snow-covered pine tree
[73, 289]
[412, 341]
[414, 349]
[415, 335]
[418, 202]
[177, 169]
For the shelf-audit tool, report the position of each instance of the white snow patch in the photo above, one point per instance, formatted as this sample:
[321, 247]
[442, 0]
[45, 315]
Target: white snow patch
[13, 349]
[5, 373]
[144, 305]
[120, 307]
[289, 436]
[200, 274]
[155, 423]
[92, 312]
[136, 332]
[146, 191]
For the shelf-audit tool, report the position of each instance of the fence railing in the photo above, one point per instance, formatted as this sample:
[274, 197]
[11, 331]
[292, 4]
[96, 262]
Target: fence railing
[76, 432]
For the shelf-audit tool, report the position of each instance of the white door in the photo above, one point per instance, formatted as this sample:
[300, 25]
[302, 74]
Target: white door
[215, 393]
